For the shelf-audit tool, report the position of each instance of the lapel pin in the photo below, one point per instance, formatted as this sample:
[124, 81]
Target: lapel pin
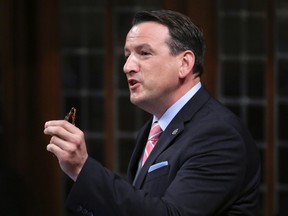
[175, 131]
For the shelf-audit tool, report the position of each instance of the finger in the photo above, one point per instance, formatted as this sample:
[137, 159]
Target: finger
[54, 149]
[62, 123]
[62, 144]
[59, 131]
[52, 123]
[55, 131]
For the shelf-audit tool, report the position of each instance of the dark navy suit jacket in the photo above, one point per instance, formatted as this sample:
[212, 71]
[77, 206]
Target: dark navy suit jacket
[205, 163]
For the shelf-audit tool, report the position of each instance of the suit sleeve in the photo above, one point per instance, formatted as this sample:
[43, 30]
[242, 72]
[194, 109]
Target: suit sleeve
[98, 191]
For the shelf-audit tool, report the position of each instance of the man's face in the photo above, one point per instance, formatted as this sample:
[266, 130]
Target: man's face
[152, 72]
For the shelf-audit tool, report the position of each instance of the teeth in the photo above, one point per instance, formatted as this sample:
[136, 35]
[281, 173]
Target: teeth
[132, 82]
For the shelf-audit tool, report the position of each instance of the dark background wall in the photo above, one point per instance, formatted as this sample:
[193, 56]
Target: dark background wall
[61, 53]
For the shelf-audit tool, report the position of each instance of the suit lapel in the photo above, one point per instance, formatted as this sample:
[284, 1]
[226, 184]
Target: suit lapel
[165, 140]
[174, 129]
[138, 150]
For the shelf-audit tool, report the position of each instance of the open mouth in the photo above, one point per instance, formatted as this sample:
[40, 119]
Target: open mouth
[132, 82]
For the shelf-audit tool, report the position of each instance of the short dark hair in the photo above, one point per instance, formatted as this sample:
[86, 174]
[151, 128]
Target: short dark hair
[185, 35]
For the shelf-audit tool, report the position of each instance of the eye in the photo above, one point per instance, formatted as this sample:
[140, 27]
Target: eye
[145, 53]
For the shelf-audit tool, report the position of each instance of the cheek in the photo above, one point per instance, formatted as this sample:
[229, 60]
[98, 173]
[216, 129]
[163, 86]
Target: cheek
[162, 83]
[160, 73]
[168, 74]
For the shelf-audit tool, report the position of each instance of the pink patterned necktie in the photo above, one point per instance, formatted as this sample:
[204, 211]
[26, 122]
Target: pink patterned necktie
[153, 138]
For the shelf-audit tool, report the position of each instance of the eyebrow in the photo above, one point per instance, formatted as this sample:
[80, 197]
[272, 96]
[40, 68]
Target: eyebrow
[140, 46]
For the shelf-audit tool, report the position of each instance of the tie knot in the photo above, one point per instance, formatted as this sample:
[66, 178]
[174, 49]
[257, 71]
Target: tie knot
[155, 131]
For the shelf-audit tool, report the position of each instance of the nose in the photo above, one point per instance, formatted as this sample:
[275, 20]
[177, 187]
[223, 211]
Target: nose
[130, 65]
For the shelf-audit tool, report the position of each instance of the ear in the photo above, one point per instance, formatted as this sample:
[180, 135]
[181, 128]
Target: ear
[187, 63]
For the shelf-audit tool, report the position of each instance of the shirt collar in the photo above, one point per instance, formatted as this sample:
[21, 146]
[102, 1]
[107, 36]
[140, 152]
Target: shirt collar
[176, 107]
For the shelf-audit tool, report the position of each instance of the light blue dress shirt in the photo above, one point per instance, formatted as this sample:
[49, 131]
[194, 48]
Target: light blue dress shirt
[176, 107]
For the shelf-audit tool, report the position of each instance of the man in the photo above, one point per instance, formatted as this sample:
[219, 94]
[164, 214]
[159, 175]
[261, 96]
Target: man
[204, 161]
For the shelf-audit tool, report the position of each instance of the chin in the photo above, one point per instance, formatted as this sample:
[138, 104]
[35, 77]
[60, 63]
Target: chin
[137, 101]
[134, 101]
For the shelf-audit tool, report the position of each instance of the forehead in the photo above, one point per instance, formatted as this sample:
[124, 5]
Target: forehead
[147, 32]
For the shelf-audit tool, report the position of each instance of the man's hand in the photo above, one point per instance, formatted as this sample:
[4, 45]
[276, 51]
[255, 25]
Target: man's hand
[68, 145]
